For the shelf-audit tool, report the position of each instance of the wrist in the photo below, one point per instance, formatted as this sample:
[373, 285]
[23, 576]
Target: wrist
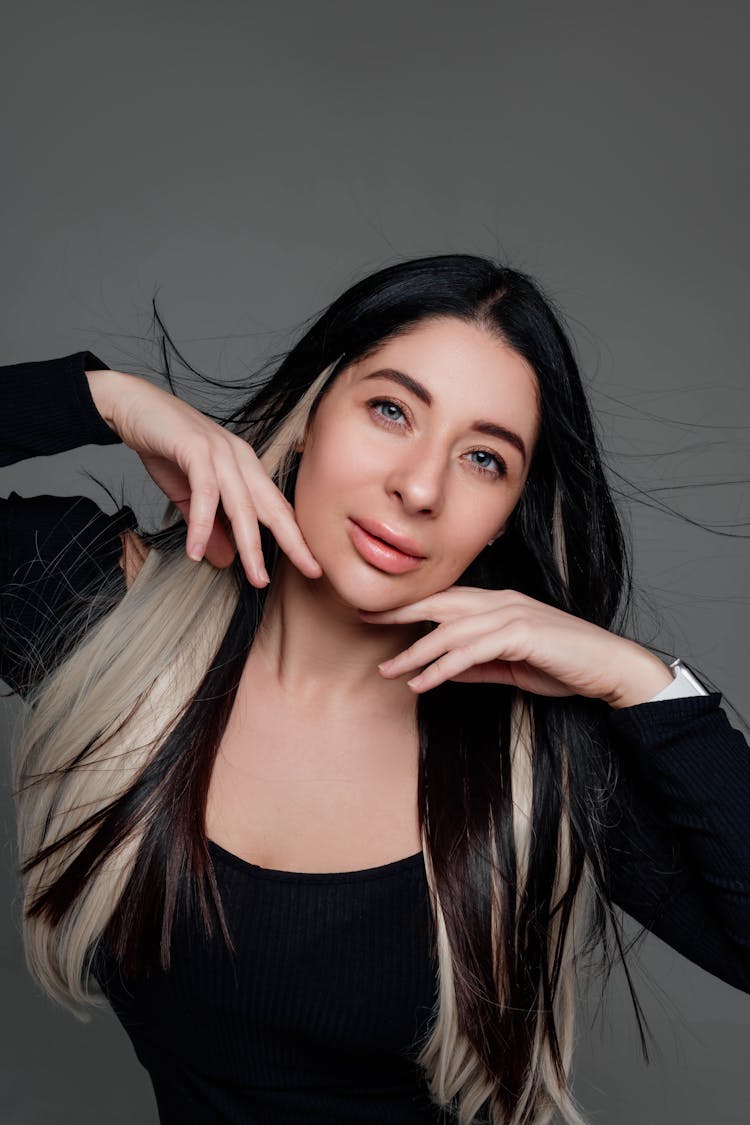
[103, 387]
[641, 675]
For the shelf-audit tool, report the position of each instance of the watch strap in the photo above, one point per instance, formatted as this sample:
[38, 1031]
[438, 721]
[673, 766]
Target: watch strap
[684, 683]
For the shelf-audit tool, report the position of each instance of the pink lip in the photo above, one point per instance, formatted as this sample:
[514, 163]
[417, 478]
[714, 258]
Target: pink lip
[382, 555]
[391, 538]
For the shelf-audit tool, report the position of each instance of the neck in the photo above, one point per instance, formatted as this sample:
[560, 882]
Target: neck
[315, 647]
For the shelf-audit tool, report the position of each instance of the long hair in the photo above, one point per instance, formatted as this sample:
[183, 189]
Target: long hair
[115, 757]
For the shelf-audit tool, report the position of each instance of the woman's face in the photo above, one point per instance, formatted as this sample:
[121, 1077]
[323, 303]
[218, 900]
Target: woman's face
[410, 443]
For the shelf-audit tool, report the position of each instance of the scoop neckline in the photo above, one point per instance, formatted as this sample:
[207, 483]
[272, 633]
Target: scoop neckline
[395, 867]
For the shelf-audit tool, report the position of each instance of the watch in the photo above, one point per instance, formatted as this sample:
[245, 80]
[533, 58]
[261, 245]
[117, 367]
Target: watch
[684, 683]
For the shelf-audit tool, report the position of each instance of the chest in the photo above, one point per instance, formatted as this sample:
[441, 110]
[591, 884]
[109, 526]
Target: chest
[297, 790]
[331, 984]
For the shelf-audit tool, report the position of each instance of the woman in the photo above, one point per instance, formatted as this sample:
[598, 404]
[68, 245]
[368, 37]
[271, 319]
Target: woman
[333, 841]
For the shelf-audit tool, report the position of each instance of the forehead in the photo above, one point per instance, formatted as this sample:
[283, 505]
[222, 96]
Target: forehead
[463, 367]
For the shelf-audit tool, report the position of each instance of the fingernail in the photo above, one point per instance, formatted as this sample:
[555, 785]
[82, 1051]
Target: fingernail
[263, 574]
[196, 551]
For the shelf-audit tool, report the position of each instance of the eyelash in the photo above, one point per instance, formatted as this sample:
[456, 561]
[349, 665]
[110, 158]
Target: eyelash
[389, 422]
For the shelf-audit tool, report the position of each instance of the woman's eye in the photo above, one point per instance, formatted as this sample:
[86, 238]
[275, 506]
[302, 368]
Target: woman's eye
[390, 412]
[481, 466]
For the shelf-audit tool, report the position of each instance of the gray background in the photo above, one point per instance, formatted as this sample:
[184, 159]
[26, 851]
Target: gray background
[251, 161]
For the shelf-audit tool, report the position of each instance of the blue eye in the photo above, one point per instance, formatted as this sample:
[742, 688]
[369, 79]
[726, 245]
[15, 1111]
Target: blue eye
[378, 402]
[499, 471]
[387, 417]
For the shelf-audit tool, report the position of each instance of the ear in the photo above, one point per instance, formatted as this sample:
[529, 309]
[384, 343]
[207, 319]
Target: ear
[134, 552]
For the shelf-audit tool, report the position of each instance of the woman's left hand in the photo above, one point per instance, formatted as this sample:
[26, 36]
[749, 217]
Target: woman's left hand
[505, 637]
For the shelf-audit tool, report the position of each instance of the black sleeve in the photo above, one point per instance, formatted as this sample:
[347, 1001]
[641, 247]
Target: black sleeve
[47, 408]
[53, 549]
[679, 842]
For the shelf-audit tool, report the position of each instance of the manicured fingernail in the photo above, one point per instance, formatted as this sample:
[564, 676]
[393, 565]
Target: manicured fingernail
[263, 574]
[196, 551]
[414, 682]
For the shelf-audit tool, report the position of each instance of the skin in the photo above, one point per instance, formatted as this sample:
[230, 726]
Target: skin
[415, 468]
[318, 766]
[326, 642]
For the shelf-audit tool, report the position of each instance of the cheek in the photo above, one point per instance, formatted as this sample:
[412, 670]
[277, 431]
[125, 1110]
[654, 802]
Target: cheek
[320, 476]
[463, 548]
[325, 487]
[471, 529]
[334, 464]
[304, 502]
[473, 525]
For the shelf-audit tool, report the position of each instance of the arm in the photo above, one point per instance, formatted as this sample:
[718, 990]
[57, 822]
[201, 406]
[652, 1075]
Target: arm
[51, 547]
[679, 838]
[47, 407]
[197, 462]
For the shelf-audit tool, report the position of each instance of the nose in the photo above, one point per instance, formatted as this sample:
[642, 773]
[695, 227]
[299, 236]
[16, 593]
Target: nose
[418, 479]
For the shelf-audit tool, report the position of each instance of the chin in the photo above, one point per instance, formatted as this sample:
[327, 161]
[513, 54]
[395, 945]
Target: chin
[368, 597]
[379, 591]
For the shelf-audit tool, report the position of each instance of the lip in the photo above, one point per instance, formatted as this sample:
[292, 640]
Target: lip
[405, 545]
[379, 554]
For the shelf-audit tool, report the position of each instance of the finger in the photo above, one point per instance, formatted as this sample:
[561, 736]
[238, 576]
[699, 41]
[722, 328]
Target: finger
[445, 605]
[444, 668]
[276, 513]
[202, 506]
[174, 479]
[428, 648]
[278, 516]
[491, 672]
[428, 609]
[503, 645]
[220, 548]
[204, 527]
[240, 510]
[247, 507]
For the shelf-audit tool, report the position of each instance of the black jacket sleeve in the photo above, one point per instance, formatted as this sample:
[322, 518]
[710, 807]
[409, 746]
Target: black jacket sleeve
[679, 842]
[52, 548]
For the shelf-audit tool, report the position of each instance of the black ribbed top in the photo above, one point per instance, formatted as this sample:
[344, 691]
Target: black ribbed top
[313, 1019]
[317, 1016]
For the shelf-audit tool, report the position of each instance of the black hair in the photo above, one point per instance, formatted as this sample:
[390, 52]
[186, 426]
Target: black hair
[564, 545]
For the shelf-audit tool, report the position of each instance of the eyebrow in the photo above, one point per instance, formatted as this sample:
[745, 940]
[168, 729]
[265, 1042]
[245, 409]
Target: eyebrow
[491, 429]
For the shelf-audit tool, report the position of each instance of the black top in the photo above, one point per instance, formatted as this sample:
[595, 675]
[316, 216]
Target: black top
[317, 1017]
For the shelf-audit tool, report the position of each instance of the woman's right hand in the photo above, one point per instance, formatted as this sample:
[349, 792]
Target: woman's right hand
[197, 463]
